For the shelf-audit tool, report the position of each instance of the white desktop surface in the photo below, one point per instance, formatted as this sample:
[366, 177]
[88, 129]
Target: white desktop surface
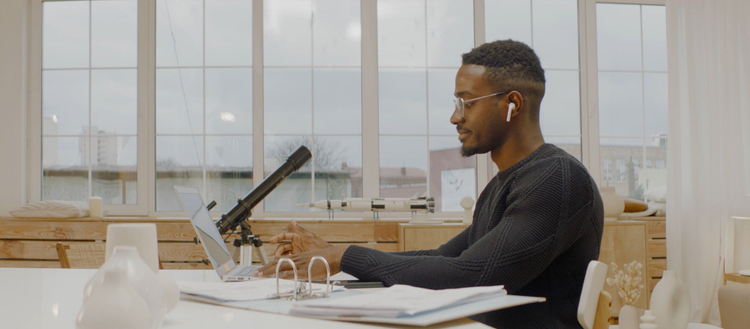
[32, 298]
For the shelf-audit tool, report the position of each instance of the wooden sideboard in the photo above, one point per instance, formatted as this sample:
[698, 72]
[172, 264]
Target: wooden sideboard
[30, 242]
[426, 236]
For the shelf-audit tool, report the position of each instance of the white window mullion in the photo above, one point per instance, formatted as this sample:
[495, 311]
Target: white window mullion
[258, 136]
[531, 23]
[370, 111]
[313, 169]
[89, 134]
[34, 110]
[427, 98]
[203, 112]
[589, 89]
[483, 170]
[643, 90]
[147, 102]
[144, 90]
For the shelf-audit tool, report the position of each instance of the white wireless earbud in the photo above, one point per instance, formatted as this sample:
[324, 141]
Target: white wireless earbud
[511, 107]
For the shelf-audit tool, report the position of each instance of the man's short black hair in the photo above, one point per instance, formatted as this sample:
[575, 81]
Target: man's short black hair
[510, 65]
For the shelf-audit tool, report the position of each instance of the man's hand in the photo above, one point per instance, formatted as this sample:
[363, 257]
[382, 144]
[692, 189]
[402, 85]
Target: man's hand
[332, 254]
[302, 240]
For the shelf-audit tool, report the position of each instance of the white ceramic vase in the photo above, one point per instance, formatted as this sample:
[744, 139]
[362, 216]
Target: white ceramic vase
[628, 317]
[114, 305]
[172, 291]
[145, 282]
[647, 321]
[670, 302]
[614, 204]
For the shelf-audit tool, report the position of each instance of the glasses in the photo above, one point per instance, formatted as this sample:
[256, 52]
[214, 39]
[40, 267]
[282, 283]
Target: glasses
[461, 103]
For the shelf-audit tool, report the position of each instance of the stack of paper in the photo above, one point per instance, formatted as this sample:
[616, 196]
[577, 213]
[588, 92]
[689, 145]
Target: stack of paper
[398, 300]
[242, 291]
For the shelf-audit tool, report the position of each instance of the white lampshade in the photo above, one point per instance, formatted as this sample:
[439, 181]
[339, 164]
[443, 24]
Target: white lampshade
[142, 236]
[742, 245]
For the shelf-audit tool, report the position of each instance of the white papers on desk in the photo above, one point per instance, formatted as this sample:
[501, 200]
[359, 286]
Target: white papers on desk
[241, 291]
[398, 300]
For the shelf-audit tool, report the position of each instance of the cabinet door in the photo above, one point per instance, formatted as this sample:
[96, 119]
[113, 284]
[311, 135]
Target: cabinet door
[622, 243]
[423, 237]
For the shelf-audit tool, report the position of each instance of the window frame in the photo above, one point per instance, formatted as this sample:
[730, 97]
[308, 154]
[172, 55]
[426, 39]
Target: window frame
[592, 86]
[146, 134]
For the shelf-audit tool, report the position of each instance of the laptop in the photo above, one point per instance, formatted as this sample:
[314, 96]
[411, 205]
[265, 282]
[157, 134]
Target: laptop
[211, 240]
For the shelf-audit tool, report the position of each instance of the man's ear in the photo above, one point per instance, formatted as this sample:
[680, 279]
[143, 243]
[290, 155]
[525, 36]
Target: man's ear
[515, 103]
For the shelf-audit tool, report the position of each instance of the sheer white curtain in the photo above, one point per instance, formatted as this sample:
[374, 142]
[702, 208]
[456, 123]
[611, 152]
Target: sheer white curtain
[709, 123]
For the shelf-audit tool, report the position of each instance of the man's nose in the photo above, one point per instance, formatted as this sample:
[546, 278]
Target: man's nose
[456, 117]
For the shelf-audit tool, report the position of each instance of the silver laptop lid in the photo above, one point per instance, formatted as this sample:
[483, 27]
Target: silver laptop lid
[206, 229]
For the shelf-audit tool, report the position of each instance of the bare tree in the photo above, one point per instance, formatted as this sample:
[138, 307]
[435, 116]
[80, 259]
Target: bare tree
[327, 154]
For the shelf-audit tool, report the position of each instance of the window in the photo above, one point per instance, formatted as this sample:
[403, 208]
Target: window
[621, 171]
[551, 28]
[218, 93]
[89, 101]
[313, 97]
[632, 80]
[419, 50]
[204, 114]
[606, 172]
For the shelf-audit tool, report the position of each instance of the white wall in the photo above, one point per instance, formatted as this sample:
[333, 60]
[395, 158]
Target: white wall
[14, 31]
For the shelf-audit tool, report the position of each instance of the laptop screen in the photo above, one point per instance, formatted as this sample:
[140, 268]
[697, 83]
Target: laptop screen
[204, 226]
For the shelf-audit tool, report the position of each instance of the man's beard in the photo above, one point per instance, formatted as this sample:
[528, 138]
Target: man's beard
[468, 151]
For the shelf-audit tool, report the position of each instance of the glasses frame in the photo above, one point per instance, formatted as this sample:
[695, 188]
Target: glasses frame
[461, 103]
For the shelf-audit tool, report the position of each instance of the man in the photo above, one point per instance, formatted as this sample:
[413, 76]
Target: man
[536, 226]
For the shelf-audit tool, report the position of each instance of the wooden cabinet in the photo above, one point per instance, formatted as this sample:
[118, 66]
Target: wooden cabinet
[623, 241]
[656, 253]
[426, 236]
[641, 239]
[30, 242]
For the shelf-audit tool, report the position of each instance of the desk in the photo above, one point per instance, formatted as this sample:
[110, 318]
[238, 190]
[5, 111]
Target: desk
[35, 298]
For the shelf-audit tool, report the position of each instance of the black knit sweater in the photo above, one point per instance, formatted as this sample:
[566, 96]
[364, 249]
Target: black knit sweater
[536, 226]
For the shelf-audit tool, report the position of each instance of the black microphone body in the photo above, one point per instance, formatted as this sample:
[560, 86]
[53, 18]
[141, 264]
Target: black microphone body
[241, 211]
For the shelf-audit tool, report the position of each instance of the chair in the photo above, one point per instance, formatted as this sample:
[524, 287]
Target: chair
[733, 306]
[594, 305]
[83, 255]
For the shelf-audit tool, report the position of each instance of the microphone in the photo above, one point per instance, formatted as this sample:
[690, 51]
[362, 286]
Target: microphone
[241, 211]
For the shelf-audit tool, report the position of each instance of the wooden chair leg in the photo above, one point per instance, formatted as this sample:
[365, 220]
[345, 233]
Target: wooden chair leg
[62, 255]
[603, 311]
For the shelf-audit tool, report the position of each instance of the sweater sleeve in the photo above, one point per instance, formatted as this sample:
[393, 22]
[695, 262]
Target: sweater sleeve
[534, 228]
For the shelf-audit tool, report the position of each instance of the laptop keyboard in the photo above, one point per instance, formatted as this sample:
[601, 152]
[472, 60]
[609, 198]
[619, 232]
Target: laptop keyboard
[247, 270]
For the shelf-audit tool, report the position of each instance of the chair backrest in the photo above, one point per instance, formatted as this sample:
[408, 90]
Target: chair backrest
[734, 300]
[593, 283]
[82, 255]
